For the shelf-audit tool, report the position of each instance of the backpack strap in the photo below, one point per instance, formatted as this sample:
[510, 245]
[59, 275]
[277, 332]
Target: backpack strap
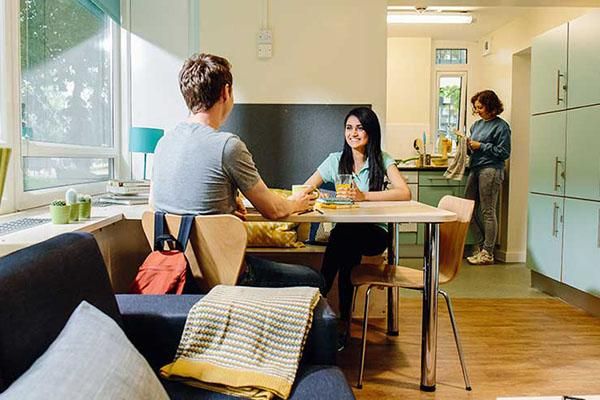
[185, 228]
[160, 237]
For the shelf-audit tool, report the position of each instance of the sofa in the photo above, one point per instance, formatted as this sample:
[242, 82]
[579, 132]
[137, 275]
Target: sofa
[41, 286]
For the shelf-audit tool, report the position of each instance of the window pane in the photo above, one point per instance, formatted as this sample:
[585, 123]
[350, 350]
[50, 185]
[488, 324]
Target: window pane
[66, 86]
[450, 56]
[48, 172]
[449, 103]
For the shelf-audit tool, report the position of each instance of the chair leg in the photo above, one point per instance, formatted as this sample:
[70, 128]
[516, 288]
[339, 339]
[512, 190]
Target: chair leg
[354, 292]
[363, 349]
[457, 340]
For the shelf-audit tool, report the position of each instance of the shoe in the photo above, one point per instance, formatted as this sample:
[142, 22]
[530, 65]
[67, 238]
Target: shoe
[481, 258]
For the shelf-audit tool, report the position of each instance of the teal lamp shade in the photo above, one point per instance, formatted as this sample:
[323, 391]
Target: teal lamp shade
[144, 140]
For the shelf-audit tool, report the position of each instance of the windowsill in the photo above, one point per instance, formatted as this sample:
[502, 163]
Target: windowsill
[101, 217]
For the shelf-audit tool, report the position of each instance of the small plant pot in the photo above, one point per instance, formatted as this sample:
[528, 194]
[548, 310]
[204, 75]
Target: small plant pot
[85, 210]
[74, 214]
[60, 214]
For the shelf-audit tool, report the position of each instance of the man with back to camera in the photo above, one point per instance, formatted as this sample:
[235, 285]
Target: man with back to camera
[198, 169]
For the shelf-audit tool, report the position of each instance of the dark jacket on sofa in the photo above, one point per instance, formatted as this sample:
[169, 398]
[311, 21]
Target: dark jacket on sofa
[41, 285]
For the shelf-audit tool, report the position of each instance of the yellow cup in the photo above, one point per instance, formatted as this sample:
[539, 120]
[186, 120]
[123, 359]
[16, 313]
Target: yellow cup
[304, 188]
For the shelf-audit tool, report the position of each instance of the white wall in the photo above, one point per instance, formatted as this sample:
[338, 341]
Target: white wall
[408, 93]
[331, 51]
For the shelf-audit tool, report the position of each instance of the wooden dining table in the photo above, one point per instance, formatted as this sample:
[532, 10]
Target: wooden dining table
[395, 213]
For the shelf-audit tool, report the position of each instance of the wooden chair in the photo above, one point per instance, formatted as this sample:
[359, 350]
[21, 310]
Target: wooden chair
[452, 241]
[216, 248]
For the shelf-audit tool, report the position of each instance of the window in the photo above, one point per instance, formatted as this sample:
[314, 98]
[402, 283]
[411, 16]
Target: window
[451, 105]
[67, 111]
[450, 56]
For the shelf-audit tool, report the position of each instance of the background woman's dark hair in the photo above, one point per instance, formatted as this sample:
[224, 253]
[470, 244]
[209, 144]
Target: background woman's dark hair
[201, 80]
[370, 123]
[489, 100]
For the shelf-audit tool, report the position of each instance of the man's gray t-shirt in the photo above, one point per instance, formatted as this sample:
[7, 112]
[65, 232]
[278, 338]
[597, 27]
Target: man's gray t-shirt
[198, 170]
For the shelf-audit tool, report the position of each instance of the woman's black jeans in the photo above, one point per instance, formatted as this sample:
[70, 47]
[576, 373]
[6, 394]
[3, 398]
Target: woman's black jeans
[347, 244]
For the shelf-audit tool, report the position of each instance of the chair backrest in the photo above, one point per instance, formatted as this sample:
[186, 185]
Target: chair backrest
[216, 248]
[453, 235]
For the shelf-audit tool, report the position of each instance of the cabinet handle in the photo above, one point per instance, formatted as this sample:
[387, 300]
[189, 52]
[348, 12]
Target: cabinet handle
[558, 76]
[555, 220]
[556, 182]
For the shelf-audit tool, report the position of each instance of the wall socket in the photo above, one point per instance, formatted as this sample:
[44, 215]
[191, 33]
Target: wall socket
[265, 36]
[265, 50]
[264, 41]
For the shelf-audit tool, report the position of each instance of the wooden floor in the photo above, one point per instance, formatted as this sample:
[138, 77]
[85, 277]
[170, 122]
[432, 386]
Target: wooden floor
[513, 347]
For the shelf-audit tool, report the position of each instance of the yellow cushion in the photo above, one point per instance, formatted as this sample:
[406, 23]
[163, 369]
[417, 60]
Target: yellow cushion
[273, 234]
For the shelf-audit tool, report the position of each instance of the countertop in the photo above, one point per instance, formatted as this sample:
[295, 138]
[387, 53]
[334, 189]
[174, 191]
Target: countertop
[426, 168]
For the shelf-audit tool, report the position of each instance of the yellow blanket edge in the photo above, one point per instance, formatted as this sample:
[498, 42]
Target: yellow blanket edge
[218, 378]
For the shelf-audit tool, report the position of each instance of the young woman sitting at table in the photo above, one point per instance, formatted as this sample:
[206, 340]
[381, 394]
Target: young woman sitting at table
[362, 158]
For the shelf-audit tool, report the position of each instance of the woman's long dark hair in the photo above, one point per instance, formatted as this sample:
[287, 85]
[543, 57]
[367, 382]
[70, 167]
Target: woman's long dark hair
[370, 123]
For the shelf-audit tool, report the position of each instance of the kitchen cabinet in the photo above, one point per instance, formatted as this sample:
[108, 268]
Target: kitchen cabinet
[581, 244]
[564, 170]
[583, 153]
[433, 194]
[548, 70]
[547, 153]
[584, 61]
[544, 254]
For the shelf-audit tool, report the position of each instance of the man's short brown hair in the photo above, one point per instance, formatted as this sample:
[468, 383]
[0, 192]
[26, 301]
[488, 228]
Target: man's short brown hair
[202, 79]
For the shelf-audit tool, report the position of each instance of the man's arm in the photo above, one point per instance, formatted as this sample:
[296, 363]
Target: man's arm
[272, 206]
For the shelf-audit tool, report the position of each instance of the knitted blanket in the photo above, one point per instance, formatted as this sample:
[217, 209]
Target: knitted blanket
[245, 341]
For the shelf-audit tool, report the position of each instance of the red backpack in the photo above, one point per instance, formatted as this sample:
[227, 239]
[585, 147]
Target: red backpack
[166, 271]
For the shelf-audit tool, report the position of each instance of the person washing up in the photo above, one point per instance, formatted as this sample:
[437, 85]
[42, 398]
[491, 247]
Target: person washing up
[489, 147]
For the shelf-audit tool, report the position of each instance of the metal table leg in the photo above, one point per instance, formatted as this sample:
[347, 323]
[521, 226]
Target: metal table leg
[431, 269]
[393, 294]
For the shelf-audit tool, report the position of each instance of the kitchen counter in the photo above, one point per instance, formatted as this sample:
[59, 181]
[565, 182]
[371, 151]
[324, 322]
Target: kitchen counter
[426, 168]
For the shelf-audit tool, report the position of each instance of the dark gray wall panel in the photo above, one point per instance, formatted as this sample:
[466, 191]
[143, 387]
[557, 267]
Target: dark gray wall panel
[289, 141]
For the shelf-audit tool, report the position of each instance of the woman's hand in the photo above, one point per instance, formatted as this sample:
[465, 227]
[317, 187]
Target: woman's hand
[240, 210]
[353, 194]
[473, 144]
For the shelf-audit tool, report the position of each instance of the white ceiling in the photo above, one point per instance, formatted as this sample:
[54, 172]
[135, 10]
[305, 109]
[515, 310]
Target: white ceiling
[488, 15]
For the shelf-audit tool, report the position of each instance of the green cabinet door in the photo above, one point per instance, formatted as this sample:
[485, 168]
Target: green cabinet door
[581, 245]
[432, 195]
[549, 70]
[584, 60]
[547, 153]
[583, 153]
[544, 235]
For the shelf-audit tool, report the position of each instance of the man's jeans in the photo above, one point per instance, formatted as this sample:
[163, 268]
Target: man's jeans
[267, 273]
[483, 186]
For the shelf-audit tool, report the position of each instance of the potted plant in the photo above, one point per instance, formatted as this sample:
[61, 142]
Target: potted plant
[85, 206]
[59, 212]
[71, 200]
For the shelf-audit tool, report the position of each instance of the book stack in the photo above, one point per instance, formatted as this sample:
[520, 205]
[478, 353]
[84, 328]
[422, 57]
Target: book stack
[126, 192]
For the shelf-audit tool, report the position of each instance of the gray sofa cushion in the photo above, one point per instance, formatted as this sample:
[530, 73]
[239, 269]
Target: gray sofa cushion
[90, 359]
[312, 382]
[40, 286]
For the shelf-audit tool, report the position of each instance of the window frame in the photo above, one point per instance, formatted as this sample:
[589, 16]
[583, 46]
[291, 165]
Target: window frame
[29, 148]
[462, 117]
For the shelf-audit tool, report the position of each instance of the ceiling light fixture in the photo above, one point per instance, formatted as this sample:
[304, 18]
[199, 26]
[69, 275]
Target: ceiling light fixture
[427, 16]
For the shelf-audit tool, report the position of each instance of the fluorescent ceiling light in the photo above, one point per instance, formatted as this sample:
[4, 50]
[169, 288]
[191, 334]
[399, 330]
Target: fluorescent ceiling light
[427, 18]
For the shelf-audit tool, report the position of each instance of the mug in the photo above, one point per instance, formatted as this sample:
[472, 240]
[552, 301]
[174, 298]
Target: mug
[304, 188]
